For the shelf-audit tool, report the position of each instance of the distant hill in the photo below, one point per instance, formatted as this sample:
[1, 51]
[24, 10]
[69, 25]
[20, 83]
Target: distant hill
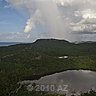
[62, 47]
[55, 47]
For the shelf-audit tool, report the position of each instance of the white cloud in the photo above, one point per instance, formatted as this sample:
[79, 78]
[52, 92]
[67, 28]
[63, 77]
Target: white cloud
[64, 2]
[29, 25]
[87, 23]
[86, 14]
[32, 21]
[59, 16]
[28, 36]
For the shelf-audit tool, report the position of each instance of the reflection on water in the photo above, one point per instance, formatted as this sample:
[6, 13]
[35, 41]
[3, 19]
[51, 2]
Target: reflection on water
[76, 81]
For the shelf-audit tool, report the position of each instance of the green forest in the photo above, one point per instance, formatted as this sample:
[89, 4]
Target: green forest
[34, 60]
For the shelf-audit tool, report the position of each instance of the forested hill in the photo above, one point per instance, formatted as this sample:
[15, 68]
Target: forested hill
[53, 47]
[33, 60]
[62, 47]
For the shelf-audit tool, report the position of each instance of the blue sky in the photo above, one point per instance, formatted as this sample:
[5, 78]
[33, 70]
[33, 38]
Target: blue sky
[11, 20]
[12, 23]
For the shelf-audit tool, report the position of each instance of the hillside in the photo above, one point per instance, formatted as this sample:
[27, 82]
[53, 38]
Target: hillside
[45, 56]
[54, 47]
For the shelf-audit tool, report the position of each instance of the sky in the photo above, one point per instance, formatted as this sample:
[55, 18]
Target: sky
[28, 20]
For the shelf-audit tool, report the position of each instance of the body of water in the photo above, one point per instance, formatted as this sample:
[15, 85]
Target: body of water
[8, 43]
[69, 82]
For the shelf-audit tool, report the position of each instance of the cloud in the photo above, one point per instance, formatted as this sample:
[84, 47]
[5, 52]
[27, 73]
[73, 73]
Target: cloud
[59, 17]
[32, 21]
[48, 16]
[17, 37]
[29, 25]
[88, 22]
[86, 14]
[64, 2]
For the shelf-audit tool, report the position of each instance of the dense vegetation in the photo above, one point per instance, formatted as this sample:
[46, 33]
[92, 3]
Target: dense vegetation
[31, 61]
[90, 93]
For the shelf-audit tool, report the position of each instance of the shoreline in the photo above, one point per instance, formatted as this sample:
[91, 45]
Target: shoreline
[37, 77]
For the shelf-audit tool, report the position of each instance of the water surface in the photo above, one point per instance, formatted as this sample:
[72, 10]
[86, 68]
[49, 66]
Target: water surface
[76, 81]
